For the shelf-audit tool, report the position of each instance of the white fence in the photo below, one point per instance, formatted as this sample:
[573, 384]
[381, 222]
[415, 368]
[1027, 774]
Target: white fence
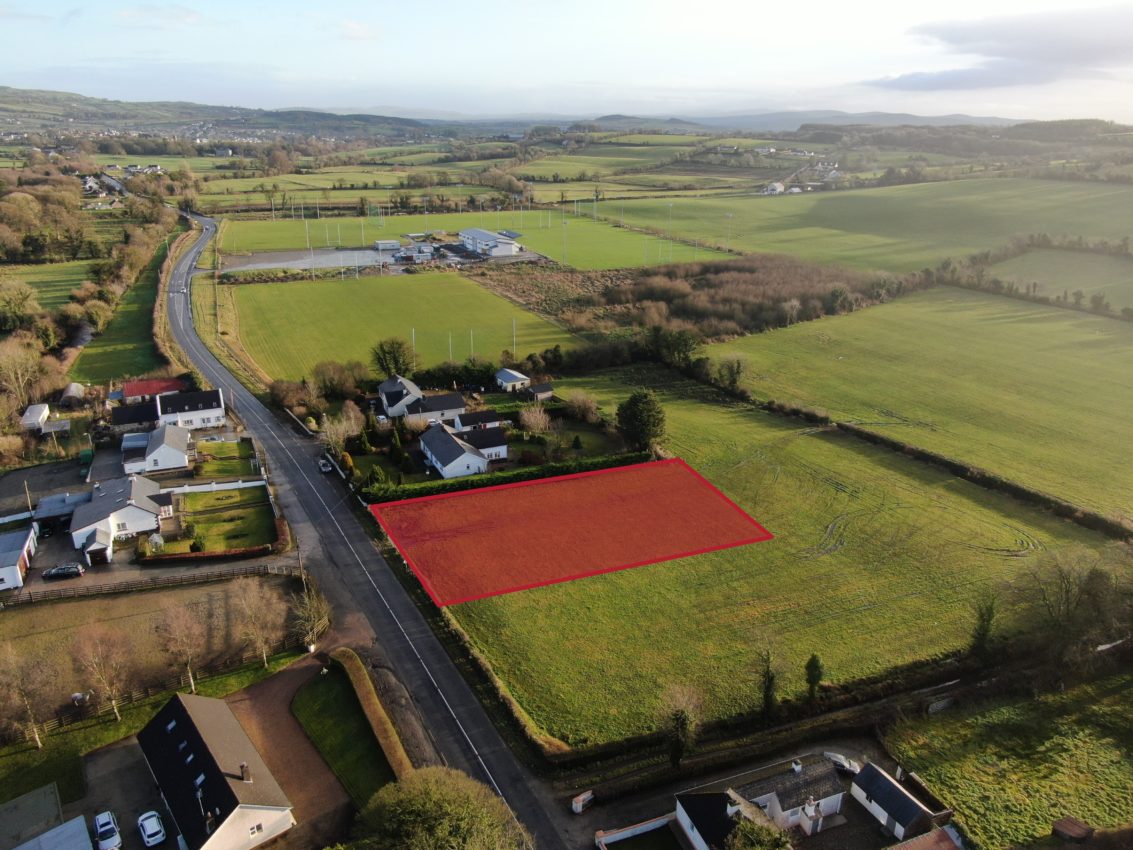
[215, 486]
[608, 838]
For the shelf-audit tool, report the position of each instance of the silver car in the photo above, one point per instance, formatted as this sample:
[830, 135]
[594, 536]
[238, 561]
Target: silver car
[151, 828]
[106, 831]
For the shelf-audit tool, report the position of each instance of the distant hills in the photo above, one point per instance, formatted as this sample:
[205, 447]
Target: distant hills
[792, 120]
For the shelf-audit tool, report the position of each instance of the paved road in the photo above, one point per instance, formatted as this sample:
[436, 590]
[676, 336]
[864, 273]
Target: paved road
[353, 573]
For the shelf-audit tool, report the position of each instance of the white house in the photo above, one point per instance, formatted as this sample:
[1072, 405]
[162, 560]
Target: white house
[510, 380]
[444, 407]
[118, 509]
[707, 818]
[216, 787]
[160, 450]
[479, 419]
[16, 549]
[450, 455]
[488, 244]
[202, 409]
[807, 795]
[900, 812]
[396, 394]
[774, 189]
[490, 442]
[34, 417]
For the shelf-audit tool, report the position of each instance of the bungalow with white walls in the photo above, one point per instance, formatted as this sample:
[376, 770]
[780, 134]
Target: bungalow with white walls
[478, 419]
[807, 795]
[163, 449]
[201, 409]
[902, 814]
[118, 509]
[450, 454]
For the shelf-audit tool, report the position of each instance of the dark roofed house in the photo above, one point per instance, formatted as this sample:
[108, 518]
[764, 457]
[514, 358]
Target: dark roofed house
[537, 392]
[213, 780]
[707, 818]
[120, 508]
[804, 794]
[450, 454]
[396, 394]
[443, 407]
[478, 419]
[886, 799]
[490, 442]
[201, 409]
[134, 417]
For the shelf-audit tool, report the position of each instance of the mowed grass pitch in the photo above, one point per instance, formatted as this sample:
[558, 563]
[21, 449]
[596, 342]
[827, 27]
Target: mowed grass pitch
[581, 242]
[875, 563]
[900, 228]
[1057, 272]
[289, 327]
[1038, 394]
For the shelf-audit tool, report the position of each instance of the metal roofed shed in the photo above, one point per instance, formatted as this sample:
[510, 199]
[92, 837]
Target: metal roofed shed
[34, 417]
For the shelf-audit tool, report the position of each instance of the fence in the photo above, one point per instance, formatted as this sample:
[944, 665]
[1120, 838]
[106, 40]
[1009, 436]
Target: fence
[70, 716]
[215, 486]
[25, 597]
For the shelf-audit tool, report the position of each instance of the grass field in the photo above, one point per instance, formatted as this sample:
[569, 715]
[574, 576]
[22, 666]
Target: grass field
[875, 562]
[1057, 272]
[342, 320]
[226, 459]
[1039, 394]
[328, 710]
[902, 228]
[126, 348]
[52, 282]
[231, 519]
[582, 242]
[1011, 768]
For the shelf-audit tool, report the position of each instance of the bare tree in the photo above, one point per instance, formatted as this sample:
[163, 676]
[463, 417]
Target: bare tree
[535, 418]
[105, 656]
[25, 692]
[263, 613]
[582, 407]
[183, 632]
[311, 612]
[20, 367]
[337, 430]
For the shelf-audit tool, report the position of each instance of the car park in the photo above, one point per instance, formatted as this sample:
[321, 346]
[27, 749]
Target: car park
[106, 831]
[151, 828]
[60, 571]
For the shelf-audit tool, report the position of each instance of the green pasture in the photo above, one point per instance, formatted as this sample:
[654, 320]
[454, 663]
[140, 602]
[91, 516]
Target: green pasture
[1038, 394]
[875, 563]
[663, 139]
[196, 164]
[52, 282]
[581, 242]
[1057, 272]
[598, 159]
[1011, 768]
[901, 228]
[342, 320]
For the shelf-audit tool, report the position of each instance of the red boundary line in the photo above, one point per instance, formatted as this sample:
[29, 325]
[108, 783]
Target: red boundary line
[375, 510]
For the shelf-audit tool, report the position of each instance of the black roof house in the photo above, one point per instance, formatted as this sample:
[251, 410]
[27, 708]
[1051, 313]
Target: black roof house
[884, 791]
[134, 414]
[708, 813]
[187, 402]
[206, 766]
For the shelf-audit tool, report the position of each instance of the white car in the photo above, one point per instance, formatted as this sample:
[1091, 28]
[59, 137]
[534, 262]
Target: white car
[324, 465]
[106, 831]
[151, 828]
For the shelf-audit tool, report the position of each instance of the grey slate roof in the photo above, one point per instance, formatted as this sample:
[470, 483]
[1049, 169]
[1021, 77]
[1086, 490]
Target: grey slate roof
[59, 505]
[186, 402]
[110, 496]
[817, 779]
[436, 404]
[485, 438]
[393, 390]
[445, 446]
[884, 790]
[536, 389]
[173, 436]
[134, 414]
[12, 546]
[218, 745]
[480, 417]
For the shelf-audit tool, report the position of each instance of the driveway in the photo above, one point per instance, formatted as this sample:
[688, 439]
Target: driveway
[119, 780]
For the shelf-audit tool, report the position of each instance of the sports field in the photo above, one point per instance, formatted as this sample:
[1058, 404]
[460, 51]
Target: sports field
[479, 543]
[875, 563]
[1059, 272]
[1039, 394]
[289, 327]
[580, 242]
[901, 228]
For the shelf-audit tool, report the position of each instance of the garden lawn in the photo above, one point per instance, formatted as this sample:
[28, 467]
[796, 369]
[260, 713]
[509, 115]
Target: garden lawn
[327, 708]
[342, 320]
[1057, 272]
[900, 228]
[1038, 394]
[52, 282]
[230, 458]
[230, 519]
[875, 563]
[1012, 767]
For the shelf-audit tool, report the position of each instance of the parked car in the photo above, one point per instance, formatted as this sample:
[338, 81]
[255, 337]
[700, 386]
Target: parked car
[106, 831]
[73, 570]
[324, 465]
[46, 531]
[843, 764]
[151, 828]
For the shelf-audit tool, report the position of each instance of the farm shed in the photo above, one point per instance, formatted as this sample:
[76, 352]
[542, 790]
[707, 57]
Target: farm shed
[538, 392]
[34, 417]
[510, 380]
[73, 396]
[16, 549]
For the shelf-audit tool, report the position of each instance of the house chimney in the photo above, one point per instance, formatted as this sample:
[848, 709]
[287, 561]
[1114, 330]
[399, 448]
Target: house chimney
[245, 772]
[797, 766]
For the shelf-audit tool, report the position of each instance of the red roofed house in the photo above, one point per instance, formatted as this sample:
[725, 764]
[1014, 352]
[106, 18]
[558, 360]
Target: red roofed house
[136, 391]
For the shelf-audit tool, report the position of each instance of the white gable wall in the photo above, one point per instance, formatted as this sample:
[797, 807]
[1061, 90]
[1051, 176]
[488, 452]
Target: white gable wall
[878, 812]
[689, 830]
[239, 830]
[466, 464]
[125, 522]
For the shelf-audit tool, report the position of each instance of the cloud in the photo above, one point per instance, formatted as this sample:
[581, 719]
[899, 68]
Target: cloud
[7, 13]
[163, 17]
[358, 31]
[1021, 50]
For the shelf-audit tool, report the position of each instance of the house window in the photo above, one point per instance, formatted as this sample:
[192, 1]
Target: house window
[121, 526]
[252, 830]
[156, 461]
[171, 725]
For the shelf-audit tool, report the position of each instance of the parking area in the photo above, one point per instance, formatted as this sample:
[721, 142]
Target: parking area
[119, 781]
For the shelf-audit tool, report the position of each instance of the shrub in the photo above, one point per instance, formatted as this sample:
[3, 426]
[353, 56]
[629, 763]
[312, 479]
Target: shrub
[198, 544]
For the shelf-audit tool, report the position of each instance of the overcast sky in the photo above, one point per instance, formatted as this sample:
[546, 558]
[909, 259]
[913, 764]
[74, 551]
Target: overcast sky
[1012, 58]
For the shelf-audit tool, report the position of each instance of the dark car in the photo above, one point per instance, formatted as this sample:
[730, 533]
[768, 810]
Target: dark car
[63, 571]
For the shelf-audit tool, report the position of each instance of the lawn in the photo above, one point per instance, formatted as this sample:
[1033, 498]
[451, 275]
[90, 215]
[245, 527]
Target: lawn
[327, 708]
[52, 282]
[875, 562]
[1038, 394]
[1058, 272]
[902, 228]
[230, 519]
[342, 320]
[24, 768]
[580, 242]
[126, 348]
[227, 459]
[1010, 768]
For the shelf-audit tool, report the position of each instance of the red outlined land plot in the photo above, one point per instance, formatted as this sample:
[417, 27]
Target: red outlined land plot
[477, 543]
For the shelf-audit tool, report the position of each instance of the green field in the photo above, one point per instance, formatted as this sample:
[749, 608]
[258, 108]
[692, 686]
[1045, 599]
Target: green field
[52, 282]
[875, 562]
[597, 160]
[1057, 271]
[583, 242]
[1011, 768]
[289, 327]
[1038, 394]
[902, 228]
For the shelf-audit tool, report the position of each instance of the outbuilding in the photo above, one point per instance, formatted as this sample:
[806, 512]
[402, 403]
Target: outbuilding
[890, 803]
[34, 417]
[16, 550]
[511, 381]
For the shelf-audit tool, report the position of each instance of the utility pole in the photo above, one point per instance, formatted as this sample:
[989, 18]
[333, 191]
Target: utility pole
[513, 350]
[413, 344]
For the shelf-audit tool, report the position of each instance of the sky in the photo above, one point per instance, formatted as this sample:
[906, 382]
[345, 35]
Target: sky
[1039, 59]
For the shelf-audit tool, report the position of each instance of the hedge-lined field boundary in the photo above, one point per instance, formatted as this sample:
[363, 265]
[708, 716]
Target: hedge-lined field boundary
[376, 716]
